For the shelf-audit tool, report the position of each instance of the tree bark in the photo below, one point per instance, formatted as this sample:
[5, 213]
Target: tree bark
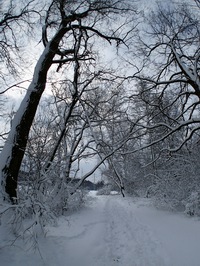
[14, 148]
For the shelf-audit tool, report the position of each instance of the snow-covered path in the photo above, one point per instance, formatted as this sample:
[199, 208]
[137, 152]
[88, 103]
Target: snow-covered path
[112, 231]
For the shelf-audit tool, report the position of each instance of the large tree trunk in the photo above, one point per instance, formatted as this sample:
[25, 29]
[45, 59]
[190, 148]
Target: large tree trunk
[14, 148]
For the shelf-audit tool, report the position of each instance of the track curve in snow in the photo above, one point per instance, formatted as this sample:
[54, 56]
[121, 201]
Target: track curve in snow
[113, 231]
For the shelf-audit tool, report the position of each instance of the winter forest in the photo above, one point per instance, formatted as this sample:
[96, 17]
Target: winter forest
[97, 94]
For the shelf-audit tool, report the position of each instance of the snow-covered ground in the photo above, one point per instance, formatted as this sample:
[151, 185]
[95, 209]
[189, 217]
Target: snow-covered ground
[111, 231]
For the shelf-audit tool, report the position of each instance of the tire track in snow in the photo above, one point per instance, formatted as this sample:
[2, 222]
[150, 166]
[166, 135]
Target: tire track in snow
[108, 233]
[112, 231]
[129, 243]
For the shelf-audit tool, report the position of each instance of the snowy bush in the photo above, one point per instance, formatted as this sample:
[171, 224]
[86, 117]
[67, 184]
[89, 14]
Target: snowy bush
[105, 190]
[39, 204]
[192, 204]
[24, 222]
[76, 200]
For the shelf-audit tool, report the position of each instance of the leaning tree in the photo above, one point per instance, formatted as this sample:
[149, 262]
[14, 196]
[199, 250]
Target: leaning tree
[71, 31]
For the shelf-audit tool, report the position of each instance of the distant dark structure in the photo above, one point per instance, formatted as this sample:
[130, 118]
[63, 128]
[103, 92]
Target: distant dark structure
[87, 185]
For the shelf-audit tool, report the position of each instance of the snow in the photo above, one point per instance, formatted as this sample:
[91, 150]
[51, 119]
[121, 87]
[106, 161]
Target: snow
[6, 154]
[112, 230]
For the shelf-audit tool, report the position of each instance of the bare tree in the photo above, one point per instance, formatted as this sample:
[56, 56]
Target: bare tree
[68, 34]
[170, 72]
[14, 21]
[168, 91]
